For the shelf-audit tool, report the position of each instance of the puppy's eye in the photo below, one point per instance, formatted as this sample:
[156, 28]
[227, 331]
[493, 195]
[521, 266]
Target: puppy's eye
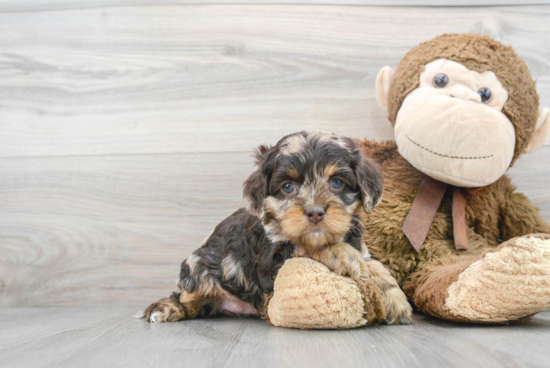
[336, 184]
[288, 187]
[485, 94]
[441, 80]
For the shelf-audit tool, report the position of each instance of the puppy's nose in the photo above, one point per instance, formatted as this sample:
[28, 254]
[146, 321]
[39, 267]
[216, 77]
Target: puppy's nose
[315, 214]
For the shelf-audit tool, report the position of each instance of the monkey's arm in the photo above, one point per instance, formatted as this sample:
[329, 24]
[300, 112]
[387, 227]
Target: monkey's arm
[385, 301]
[519, 216]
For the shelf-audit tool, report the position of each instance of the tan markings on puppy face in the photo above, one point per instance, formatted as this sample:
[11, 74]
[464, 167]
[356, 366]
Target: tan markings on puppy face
[337, 222]
[329, 171]
[294, 223]
[296, 227]
[353, 197]
[313, 169]
[293, 144]
[293, 173]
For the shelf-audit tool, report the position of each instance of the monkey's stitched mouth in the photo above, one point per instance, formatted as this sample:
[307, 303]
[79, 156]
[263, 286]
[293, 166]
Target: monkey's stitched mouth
[442, 155]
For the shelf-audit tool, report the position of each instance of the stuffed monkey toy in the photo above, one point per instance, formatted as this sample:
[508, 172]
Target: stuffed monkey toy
[451, 228]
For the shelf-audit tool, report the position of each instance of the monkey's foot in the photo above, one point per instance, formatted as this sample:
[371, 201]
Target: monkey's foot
[506, 284]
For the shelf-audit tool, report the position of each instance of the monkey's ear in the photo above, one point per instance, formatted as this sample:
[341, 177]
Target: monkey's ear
[383, 81]
[255, 188]
[370, 181]
[541, 131]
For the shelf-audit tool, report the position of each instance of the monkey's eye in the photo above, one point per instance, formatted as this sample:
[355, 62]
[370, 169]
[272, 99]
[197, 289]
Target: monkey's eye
[485, 94]
[288, 187]
[441, 80]
[336, 184]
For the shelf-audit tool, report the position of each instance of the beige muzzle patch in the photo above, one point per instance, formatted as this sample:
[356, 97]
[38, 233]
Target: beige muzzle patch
[449, 133]
[456, 141]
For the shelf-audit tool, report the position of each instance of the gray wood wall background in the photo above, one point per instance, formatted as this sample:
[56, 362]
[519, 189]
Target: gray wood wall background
[126, 127]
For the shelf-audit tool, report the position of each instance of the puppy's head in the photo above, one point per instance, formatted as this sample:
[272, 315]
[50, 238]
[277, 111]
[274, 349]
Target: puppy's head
[307, 187]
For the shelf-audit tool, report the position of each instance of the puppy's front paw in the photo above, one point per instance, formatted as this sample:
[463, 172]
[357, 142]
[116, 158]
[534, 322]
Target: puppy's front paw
[165, 310]
[344, 261]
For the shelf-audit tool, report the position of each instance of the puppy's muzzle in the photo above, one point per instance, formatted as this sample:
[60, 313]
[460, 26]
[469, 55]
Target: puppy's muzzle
[315, 214]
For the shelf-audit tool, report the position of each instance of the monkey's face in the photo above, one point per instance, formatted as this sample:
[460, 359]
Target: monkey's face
[452, 127]
[312, 185]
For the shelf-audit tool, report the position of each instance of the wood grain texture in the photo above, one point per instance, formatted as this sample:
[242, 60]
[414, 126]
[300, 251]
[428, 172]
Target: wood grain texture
[49, 5]
[112, 230]
[179, 79]
[107, 337]
[108, 229]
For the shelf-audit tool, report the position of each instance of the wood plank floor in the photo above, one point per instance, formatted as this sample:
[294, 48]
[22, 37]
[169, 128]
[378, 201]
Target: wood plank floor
[111, 337]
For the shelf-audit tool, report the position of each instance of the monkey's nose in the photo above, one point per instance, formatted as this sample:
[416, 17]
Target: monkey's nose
[315, 214]
[465, 94]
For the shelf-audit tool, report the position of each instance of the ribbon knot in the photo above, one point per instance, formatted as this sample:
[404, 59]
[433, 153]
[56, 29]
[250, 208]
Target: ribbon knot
[424, 207]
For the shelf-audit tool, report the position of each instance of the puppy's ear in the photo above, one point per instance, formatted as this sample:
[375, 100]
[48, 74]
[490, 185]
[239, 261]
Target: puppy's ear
[369, 179]
[256, 187]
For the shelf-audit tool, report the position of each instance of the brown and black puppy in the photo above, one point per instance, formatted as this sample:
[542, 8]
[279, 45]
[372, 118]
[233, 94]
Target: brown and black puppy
[302, 201]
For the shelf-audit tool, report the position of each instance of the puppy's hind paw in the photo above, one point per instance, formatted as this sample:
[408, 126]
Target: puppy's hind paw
[399, 311]
[165, 310]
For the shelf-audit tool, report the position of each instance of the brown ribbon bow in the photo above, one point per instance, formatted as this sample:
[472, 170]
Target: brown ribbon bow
[424, 207]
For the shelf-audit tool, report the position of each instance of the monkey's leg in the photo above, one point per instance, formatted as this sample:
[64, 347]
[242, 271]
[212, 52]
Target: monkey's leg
[428, 286]
[507, 283]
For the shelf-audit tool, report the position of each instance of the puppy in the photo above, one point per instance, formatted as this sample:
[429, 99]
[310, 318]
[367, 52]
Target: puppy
[302, 200]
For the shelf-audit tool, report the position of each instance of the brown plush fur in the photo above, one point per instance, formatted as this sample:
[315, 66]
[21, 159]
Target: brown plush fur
[478, 53]
[497, 213]
[433, 281]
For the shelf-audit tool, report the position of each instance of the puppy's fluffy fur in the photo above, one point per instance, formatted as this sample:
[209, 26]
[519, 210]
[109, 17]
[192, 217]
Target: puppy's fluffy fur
[302, 200]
